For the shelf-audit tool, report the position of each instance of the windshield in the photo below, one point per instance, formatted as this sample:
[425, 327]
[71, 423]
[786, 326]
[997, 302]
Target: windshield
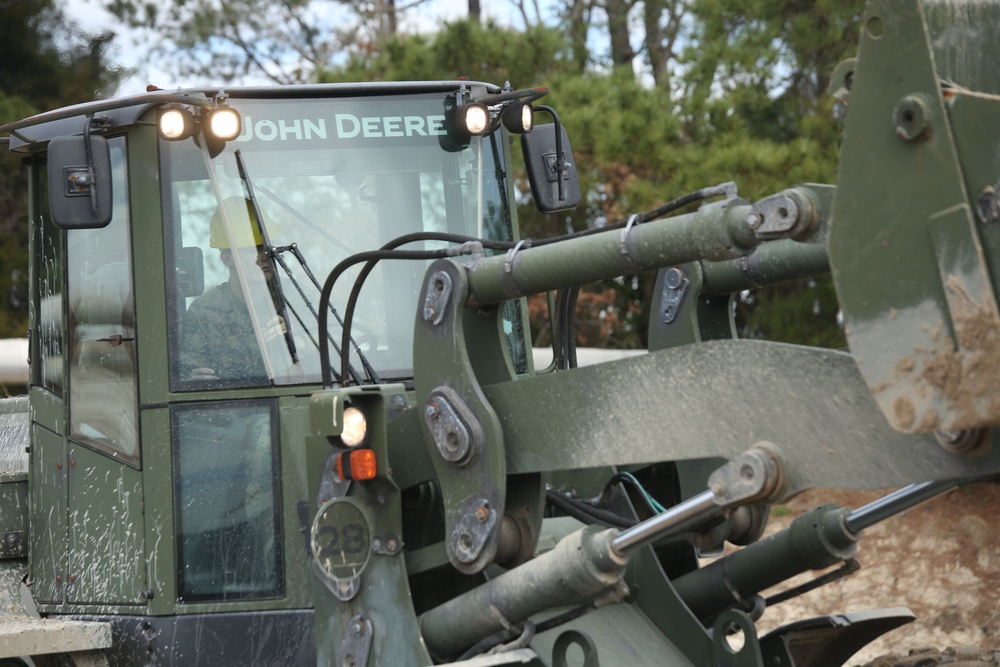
[331, 178]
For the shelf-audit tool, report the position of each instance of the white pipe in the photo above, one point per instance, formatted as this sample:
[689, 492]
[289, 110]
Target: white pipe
[14, 360]
[585, 356]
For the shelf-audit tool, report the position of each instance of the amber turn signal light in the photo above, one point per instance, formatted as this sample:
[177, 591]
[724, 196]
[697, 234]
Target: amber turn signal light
[357, 464]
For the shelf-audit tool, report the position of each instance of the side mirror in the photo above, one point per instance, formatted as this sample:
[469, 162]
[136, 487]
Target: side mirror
[551, 172]
[79, 172]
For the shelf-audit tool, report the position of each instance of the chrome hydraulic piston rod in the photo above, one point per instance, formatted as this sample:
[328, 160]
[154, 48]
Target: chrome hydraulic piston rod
[675, 520]
[895, 502]
[818, 539]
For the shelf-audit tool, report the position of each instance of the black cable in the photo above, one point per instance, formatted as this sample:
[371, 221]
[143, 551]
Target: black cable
[352, 300]
[505, 635]
[324, 297]
[626, 478]
[565, 617]
[572, 295]
[850, 566]
[488, 642]
[586, 513]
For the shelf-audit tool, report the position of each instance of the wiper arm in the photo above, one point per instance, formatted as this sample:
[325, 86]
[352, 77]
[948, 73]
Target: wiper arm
[274, 285]
[294, 249]
[305, 299]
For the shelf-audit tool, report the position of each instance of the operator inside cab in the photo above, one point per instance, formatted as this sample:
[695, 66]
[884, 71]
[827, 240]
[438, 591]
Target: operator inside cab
[219, 342]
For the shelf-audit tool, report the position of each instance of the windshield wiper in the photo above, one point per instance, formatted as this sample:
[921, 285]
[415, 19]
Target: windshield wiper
[274, 284]
[293, 248]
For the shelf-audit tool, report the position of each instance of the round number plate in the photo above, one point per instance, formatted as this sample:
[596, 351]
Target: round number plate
[341, 540]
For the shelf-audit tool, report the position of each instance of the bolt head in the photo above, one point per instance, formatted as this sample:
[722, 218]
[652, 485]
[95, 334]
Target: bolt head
[673, 277]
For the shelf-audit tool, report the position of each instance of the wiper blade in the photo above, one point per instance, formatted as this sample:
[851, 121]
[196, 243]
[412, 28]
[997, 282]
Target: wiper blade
[288, 272]
[274, 284]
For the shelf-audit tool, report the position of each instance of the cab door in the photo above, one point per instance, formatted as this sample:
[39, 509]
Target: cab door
[105, 516]
[89, 464]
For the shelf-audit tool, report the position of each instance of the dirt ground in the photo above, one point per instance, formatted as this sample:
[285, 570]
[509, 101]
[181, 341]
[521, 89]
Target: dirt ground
[940, 559]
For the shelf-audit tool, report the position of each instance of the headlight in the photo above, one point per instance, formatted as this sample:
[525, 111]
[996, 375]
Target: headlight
[355, 427]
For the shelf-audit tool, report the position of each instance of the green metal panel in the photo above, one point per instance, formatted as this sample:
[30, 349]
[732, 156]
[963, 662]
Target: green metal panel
[974, 117]
[106, 530]
[148, 263]
[659, 602]
[13, 514]
[617, 634]
[48, 410]
[47, 537]
[158, 504]
[293, 422]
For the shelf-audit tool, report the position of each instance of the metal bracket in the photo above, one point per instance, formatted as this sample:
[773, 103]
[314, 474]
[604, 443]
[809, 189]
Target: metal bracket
[780, 216]
[356, 644]
[453, 427]
[754, 475]
[675, 285]
[723, 654]
[472, 530]
[436, 297]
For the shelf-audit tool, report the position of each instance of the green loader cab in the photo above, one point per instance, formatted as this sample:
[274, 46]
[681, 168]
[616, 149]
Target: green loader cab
[178, 240]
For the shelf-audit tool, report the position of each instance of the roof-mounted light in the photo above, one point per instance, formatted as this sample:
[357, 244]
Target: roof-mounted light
[176, 123]
[224, 123]
[518, 117]
[473, 119]
[220, 124]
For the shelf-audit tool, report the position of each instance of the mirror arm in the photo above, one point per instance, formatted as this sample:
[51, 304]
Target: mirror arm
[90, 166]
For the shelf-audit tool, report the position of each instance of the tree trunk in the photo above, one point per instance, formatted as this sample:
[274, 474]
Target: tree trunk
[578, 13]
[621, 48]
[662, 20]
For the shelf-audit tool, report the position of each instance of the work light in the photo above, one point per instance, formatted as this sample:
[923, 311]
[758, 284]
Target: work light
[518, 117]
[355, 427]
[176, 123]
[473, 119]
[224, 123]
